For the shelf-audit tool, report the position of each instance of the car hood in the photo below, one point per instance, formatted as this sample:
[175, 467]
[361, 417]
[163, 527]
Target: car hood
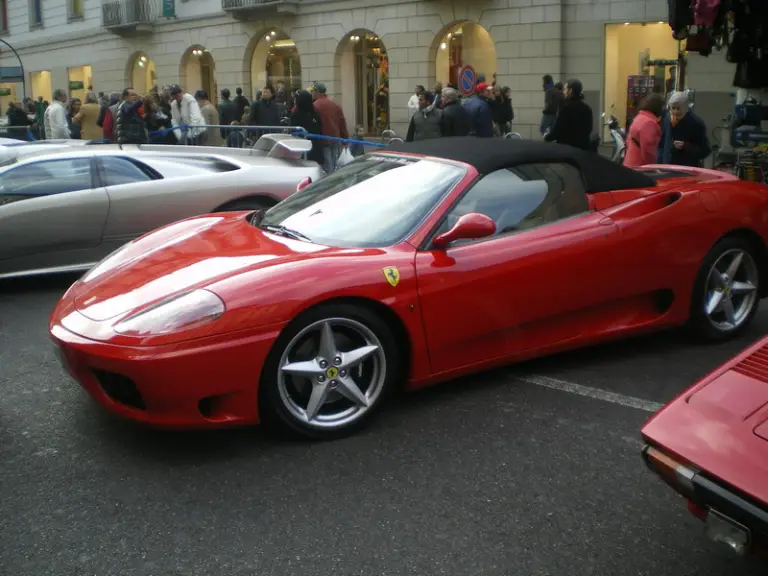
[183, 256]
[720, 425]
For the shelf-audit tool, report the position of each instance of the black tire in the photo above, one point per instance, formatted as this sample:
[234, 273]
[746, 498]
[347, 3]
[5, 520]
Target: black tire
[273, 411]
[247, 204]
[700, 326]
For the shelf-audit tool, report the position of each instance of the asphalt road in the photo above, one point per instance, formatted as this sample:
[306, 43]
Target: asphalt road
[491, 475]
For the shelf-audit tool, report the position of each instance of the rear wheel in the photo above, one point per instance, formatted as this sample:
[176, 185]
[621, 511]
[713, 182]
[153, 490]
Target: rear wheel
[330, 372]
[726, 293]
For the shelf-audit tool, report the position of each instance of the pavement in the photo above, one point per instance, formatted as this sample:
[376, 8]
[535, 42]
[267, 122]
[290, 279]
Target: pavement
[529, 470]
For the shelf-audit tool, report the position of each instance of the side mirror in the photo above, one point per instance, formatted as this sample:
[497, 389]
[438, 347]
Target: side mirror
[469, 227]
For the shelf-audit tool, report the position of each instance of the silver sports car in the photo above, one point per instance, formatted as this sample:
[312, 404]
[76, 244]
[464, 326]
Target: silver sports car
[63, 209]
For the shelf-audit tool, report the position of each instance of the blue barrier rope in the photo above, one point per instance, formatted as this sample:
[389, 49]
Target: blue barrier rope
[295, 130]
[345, 140]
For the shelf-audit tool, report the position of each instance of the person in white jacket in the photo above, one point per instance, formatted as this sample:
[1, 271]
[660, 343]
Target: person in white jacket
[413, 103]
[55, 118]
[185, 112]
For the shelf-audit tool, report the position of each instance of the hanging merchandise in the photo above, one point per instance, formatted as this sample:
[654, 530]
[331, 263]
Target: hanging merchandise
[705, 12]
[748, 47]
[738, 26]
[680, 18]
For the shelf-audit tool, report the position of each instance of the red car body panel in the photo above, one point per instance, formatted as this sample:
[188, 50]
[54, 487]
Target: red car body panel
[579, 281]
[720, 424]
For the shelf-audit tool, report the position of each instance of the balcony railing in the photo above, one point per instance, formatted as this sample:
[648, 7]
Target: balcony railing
[129, 13]
[249, 6]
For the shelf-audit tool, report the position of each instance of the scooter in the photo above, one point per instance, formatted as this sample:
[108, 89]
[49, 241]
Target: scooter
[619, 137]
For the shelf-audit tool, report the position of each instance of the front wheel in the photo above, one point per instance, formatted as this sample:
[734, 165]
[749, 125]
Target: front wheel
[329, 372]
[726, 293]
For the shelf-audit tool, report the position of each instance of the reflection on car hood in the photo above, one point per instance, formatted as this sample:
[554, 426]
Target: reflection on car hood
[180, 257]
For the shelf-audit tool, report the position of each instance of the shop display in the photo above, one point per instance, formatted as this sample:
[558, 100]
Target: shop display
[638, 87]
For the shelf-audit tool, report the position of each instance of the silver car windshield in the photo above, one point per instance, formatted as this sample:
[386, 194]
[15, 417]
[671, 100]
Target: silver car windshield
[375, 201]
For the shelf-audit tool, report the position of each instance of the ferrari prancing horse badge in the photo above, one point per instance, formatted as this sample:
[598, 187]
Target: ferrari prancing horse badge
[392, 274]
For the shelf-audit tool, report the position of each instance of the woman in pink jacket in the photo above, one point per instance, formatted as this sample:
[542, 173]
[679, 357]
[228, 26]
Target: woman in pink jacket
[645, 133]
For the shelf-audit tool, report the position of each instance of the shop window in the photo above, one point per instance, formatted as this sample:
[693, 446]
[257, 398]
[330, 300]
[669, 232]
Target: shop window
[365, 81]
[76, 9]
[35, 14]
[198, 72]
[640, 59]
[80, 79]
[143, 73]
[275, 60]
[464, 44]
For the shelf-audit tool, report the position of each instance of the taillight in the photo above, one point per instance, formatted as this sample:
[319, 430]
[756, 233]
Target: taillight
[670, 470]
[303, 184]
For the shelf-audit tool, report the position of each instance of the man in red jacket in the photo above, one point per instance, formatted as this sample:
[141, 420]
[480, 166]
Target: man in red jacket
[333, 124]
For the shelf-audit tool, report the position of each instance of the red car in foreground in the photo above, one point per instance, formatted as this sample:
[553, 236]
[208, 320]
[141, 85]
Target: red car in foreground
[409, 266]
[711, 445]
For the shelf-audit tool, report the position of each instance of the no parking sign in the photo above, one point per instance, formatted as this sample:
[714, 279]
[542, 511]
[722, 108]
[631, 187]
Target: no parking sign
[467, 80]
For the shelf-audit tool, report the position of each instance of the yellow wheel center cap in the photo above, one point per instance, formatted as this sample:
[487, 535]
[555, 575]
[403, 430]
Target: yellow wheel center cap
[332, 372]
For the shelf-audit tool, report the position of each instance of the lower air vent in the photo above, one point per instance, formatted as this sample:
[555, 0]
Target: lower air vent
[120, 388]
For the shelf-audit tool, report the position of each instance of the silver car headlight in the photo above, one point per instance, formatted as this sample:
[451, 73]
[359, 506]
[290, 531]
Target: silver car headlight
[185, 311]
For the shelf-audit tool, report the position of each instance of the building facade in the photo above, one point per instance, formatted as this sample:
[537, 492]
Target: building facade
[369, 53]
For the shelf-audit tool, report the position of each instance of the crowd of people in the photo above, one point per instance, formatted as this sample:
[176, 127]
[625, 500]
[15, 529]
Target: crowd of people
[489, 112]
[169, 115]
[665, 132]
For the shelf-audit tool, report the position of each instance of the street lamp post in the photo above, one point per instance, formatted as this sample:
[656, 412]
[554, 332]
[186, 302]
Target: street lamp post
[21, 64]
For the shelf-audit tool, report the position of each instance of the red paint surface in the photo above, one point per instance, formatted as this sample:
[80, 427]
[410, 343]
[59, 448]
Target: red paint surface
[582, 280]
[719, 424]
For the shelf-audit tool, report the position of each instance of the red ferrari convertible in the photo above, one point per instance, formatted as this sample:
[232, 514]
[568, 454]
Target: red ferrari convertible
[416, 264]
[710, 445]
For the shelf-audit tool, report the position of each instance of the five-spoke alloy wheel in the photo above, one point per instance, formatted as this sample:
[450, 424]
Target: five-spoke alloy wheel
[727, 291]
[330, 371]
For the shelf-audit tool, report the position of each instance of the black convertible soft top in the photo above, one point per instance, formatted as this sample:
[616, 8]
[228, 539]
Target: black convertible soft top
[490, 154]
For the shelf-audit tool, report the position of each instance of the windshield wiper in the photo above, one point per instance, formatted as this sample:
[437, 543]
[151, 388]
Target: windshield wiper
[287, 232]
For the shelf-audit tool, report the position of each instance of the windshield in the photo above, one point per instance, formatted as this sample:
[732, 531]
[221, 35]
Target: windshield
[375, 201]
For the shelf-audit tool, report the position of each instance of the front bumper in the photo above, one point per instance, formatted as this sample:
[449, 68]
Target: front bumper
[709, 497]
[203, 383]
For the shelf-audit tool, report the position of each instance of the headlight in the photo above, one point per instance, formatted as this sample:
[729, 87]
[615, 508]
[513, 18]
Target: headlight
[181, 312]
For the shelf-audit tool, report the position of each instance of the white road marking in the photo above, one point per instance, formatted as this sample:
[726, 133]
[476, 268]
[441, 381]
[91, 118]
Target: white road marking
[589, 392]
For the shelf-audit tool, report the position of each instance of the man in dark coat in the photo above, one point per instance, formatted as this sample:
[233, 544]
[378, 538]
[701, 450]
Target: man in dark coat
[427, 122]
[129, 124]
[455, 120]
[553, 100]
[227, 112]
[479, 110]
[241, 102]
[573, 125]
[265, 112]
